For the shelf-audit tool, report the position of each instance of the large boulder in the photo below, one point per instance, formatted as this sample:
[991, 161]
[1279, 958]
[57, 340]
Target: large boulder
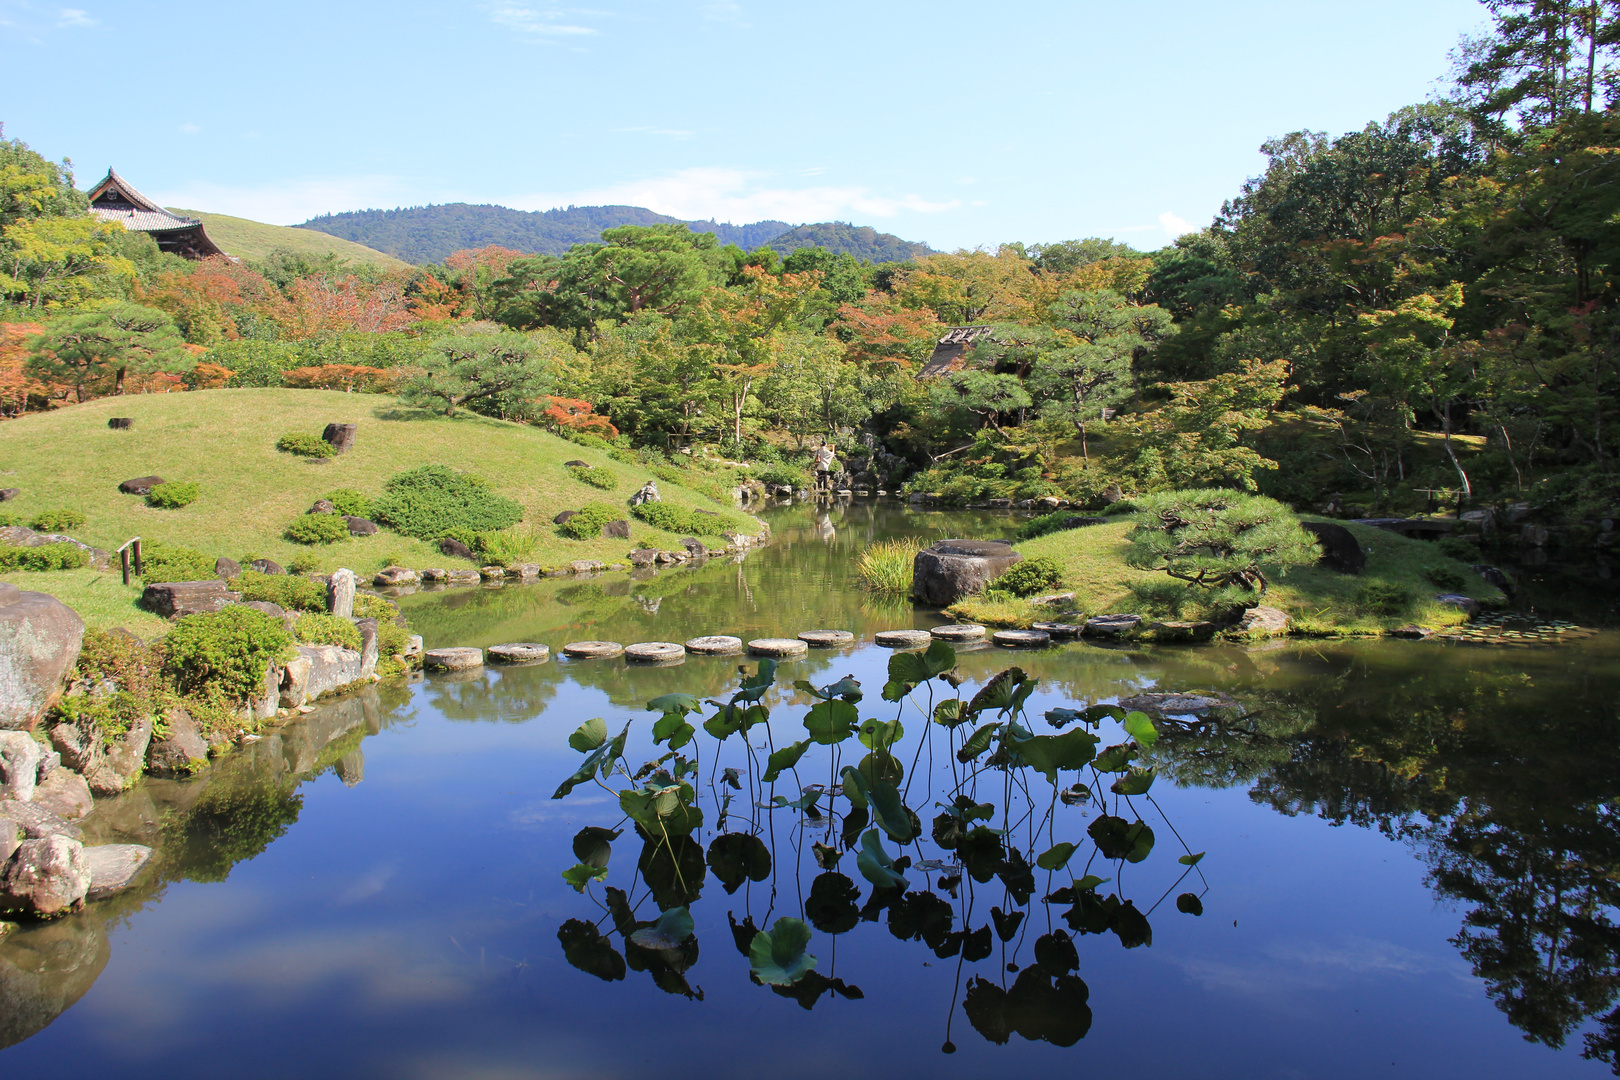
[63, 794]
[20, 756]
[619, 529]
[39, 644]
[108, 766]
[951, 569]
[648, 493]
[359, 526]
[1340, 551]
[340, 593]
[267, 566]
[227, 569]
[45, 877]
[113, 867]
[449, 545]
[368, 646]
[1263, 621]
[173, 599]
[341, 436]
[38, 822]
[140, 485]
[395, 575]
[330, 667]
[23, 536]
[183, 750]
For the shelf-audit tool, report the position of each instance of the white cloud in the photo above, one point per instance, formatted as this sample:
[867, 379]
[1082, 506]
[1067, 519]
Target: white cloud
[540, 23]
[1174, 226]
[189, 129]
[737, 195]
[76, 18]
[723, 11]
[295, 200]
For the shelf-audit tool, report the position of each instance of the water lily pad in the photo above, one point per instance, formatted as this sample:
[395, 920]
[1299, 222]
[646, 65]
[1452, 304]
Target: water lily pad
[1055, 857]
[784, 759]
[831, 722]
[889, 813]
[672, 928]
[779, 957]
[738, 857]
[585, 948]
[1140, 727]
[875, 864]
[589, 735]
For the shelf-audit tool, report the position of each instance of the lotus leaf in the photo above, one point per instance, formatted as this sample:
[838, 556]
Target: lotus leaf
[778, 958]
[589, 735]
[1140, 727]
[831, 722]
[875, 864]
[784, 759]
[889, 813]
[672, 928]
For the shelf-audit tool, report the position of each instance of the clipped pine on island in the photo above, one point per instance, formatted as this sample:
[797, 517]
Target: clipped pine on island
[1395, 589]
[224, 441]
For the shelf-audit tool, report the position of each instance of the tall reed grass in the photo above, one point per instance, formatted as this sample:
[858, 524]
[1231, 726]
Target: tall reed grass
[885, 567]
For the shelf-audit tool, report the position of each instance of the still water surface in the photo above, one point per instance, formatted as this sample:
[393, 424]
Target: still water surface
[1411, 868]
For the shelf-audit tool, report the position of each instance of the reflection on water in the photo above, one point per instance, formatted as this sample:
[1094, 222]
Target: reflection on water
[1411, 855]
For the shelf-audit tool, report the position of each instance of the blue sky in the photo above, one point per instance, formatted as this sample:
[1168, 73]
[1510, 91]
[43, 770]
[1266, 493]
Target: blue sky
[962, 124]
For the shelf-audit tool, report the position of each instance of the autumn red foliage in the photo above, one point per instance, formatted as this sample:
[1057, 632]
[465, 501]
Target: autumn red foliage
[572, 414]
[346, 377]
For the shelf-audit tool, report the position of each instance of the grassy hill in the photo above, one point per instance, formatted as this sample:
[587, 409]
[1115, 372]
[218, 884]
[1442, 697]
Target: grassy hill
[225, 441]
[254, 240]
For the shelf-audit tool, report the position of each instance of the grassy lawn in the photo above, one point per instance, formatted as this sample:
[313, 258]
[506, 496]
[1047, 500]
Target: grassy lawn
[255, 240]
[1318, 600]
[225, 441]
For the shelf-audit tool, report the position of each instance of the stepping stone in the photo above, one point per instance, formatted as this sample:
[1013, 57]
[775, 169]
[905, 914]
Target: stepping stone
[458, 659]
[519, 652]
[778, 646]
[715, 645]
[1021, 639]
[581, 650]
[113, 867]
[959, 632]
[1059, 629]
[903, 639]
[827, 639]
[1107, 626]
[654, 652]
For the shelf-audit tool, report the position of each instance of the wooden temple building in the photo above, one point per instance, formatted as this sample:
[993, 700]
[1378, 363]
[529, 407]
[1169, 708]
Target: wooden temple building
[114, 200]
[950, 351]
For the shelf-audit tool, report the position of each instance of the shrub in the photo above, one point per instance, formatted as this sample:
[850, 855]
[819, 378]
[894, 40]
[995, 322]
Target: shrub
[1161, 599]
[167, 562]
[597, 478]
[59, 520]
[173, 495]
[669, 474]
[885, 567]
[506, 548]
[223, 654]
[284, 590]
[62, 556]
[392, 639]
[1382, 598]
[318, 529]
[1046, 523]
[1218, 539]
[133, 668]
[1123, 506]
[1444, 577]
[317, 629]
[782, 474]
[431, 501]
[348, 501]
[674, 519]
[305, 562]
[585, 438]
[299, 442]
[587, 524]
[1031, 576]
[372, 606]
[1455, 547]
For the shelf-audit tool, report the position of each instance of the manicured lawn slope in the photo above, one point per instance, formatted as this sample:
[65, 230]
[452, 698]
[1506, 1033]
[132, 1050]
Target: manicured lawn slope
[248, 239]
[1093, 561]
[225, 441]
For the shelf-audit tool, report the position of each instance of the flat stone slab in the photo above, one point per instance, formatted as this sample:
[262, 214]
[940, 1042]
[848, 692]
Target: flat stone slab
[654, 652]
[113, 867]
[1183, 631]
[903, 639]
[959, 632]
[1111, 625]
[518, 652]
[455, 659]
[778, 646]
[827, 639]
[1059, 629]
[715, 645]
[602, 650]
[1021, 639]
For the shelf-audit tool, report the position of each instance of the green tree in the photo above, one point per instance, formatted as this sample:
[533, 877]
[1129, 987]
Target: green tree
[1111, 338]
[1218, 539]
[811, 387]
[495, 373]
[1198, 437]
[86, 347]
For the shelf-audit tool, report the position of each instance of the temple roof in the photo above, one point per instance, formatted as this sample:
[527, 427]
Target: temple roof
[950, 351]
[115, 199]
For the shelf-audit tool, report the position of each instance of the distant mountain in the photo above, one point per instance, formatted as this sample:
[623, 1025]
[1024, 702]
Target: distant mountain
[426, 234]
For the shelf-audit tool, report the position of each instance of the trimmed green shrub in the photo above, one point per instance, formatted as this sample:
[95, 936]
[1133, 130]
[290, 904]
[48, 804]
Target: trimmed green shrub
[431, 501]
[669, 474]
[170, 562]
[351, 502]
[173, 495]
[1444, 577]
[372, 606]
[1382, 598]
[132, 666]
[284, 590]
[1455, 547]
[59, 520]
[63, 556]
[317, 629]
[318, 529]
[1031, 576]
[587, 524]
[223, 654]
[302, 443]
[1161, 599]
[782, 474]
[585, 438]
[674, 519]
[1046, 523]
[597, 478]
[392, 639]
[305, 562]
[10, 519]
[1123, 506]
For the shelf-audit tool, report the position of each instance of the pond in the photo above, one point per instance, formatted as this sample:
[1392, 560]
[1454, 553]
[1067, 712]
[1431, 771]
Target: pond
[1409, 860]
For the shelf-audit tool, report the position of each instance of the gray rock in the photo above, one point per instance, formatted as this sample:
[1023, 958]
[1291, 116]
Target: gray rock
[449, 545]
[38, 821]
[331, 667]
[108, 768]
[951, 569]
[1179, 630]
[39, 644]
[959, 632]
[1176, 704]
[359, 526]
[140, 485]
[113, 867]
[121, 423]
[7, 494]
[175, 599]
[903, 639]
[1340, 550]
[694, 547]
[715, 645]
[340, 436]
[368, 646]
[1263, 621]
[586, 566]
[654, 652]
[323, 506]
[519, 652]
[1495, 576]
[1111, 626]
[340, 594]
[575, 464]
[1534, 535]
[1465, 604]
[648, 493]
[20, 755]
[564, 517]
[45, 877]
[581, 650]
[22, 536]
[643, 557]
[11, 838]
[295, 681]
[453, 659]
[395, 575]
[63, 794]
[267, 566]
[827, 639]
[618, 529]
[778, 647]
[1021, 639]
[183, 750]
[463, 576]
[227, 569]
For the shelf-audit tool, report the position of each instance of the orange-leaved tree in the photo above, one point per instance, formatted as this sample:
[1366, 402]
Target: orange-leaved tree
[345, 377]
[573, 414]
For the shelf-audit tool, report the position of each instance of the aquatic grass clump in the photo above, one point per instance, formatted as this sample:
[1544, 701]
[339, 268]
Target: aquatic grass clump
[885, 567]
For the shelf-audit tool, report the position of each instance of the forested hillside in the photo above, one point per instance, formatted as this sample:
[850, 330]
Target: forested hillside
[426, 234]
[863, 242]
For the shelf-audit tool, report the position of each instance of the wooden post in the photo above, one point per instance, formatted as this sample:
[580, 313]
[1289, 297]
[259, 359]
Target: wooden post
[139, 569]
[123, 559]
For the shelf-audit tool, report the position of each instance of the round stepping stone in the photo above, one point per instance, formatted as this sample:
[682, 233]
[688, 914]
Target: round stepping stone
[778, 646]
[1021, 639]
[581, 650]
[1116, 625]
[654, 652]
[715, 645]
[457, 659]
[519, 652]
[903, 639]
[1058, 629]
[959, 632]
[827, 639]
